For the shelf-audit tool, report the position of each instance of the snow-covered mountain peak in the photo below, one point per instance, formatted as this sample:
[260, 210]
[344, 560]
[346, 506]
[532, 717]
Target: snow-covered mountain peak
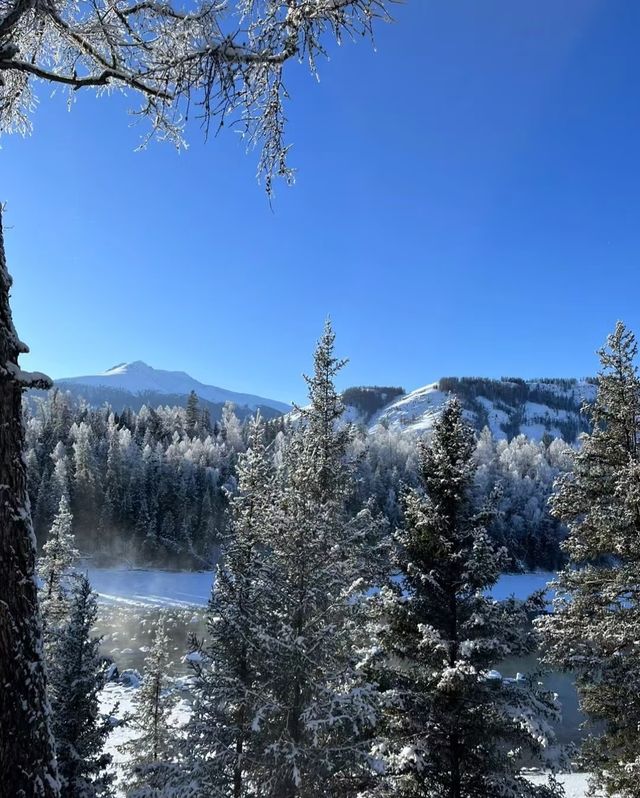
[138, 378]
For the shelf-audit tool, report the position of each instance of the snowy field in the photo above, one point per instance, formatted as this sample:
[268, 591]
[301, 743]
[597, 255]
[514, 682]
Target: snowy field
[140, 588]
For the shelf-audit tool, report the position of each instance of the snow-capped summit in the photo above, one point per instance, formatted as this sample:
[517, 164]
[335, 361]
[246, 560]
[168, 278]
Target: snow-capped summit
[138, 379]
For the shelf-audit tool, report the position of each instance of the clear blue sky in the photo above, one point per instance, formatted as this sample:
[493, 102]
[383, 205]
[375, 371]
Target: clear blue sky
[467, 202]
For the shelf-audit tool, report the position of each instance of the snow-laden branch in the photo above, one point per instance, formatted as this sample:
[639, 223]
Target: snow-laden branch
[224, 60]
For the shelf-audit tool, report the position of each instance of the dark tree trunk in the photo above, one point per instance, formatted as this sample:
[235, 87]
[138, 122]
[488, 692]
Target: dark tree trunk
[27, 762]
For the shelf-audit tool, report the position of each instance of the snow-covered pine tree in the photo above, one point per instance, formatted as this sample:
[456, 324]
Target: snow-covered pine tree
[192, 414]
[222, 745]
[453, 728]
[593, 631]
[76, 676]
[317, 712]
[151, 751]
[59, 555]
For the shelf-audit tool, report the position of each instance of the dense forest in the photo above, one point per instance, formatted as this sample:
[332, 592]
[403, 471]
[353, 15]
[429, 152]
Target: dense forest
[152, 486]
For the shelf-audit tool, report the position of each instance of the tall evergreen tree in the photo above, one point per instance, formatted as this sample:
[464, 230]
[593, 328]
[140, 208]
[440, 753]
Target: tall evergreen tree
[317, 711]
[222, 743]
[76, 676]
[453, 727]
[192, 415]
[593, 631]
[152, 748]
[59, 555]
[27, 764]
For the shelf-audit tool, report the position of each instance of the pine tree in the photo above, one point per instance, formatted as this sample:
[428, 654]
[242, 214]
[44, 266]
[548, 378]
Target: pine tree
[221, 742]
[59, 555]
[76, 676]
[593, 631]
[317, 712]
[453, 727]
[192, 414]
[151, 751]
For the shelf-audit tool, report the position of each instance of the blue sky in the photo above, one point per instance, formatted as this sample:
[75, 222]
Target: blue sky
[467, 202]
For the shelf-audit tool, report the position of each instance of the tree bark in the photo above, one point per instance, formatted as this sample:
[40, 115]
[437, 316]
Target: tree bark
[27, 761]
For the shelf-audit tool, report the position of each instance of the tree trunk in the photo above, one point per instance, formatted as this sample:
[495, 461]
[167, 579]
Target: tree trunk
[27, 762]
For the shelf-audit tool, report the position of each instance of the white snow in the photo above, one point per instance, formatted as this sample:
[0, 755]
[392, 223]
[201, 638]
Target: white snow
[416, 412]
[138, 377]
[575, 784]
[116, 701]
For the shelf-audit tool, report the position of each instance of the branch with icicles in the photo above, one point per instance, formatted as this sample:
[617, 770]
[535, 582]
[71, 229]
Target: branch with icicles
[220, 62]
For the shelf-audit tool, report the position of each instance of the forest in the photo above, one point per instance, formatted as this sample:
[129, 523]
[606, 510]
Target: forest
[352, 644]
[153, 486]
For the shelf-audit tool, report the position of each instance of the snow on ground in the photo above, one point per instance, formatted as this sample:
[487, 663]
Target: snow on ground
[138, 378]
[117, 701]
[575, 784]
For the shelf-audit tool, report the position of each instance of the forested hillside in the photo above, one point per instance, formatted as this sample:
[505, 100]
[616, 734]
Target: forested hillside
[152, 486]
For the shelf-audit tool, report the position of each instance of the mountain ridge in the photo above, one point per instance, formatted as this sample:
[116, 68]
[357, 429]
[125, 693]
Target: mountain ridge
[137, 378]
[508, 406]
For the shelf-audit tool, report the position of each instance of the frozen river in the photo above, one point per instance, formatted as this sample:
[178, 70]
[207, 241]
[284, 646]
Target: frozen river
[142, 588]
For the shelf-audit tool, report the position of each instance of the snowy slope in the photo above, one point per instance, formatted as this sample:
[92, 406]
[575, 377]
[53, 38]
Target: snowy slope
[139, 378]
[507, 407]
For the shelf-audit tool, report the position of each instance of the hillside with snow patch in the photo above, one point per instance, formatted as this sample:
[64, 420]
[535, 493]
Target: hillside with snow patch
[509, 407]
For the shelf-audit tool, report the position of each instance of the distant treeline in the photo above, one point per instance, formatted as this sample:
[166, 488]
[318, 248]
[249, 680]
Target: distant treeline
[511, 394]
[152, 486]
[368, 400]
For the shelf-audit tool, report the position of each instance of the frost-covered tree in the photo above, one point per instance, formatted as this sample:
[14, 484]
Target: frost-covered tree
[59, 555]
[76, 676]
[192, 414]
[225, 60]
[222, 743]
[152, 749]
[453, 727]
[593, 631]
[317, 711]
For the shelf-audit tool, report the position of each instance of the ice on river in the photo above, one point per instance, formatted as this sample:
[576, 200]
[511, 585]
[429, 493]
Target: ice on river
[151, 588]
[140, 588]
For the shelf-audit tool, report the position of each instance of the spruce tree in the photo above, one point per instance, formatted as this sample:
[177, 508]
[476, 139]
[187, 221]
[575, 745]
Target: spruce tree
[317, 712]
[593, 631]
[76, 676]
[453, 728]
[221, 742]
[151, 751]
[192, 414]
[59, 555]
